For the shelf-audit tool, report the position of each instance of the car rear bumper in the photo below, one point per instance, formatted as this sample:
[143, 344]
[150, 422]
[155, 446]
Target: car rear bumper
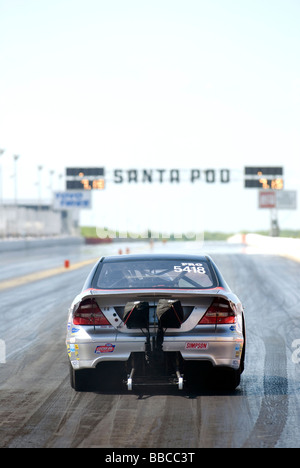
[219, 351]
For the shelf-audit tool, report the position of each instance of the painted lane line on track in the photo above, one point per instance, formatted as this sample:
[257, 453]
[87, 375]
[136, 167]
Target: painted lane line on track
[26, 279]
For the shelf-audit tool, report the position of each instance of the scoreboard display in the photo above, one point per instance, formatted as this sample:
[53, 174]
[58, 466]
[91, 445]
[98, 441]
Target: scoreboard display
[85, 184]
[85, 178]
[85, 171]
[264, 183]
[263, 177]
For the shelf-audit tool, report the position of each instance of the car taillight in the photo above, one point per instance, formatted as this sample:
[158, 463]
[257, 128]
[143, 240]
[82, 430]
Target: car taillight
[219, 312]
[89, 313]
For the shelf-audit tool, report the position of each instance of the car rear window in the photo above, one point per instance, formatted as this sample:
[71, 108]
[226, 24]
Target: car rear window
[170, 274]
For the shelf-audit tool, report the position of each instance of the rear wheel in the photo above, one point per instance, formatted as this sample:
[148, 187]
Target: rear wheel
[203, 375]
[81, 379]
[110, 376]
[226, 378]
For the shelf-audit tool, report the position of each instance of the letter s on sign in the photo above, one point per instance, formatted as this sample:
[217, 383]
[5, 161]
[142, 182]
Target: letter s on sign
[118, 176]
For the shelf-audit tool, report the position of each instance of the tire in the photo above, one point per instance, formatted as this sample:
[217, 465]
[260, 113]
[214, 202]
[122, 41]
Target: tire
[226, 378]
[110, 376]
[81, 379]
[242, 367]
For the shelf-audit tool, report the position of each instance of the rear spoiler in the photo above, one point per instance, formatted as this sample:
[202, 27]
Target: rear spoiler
[119, 296]
[169, 317]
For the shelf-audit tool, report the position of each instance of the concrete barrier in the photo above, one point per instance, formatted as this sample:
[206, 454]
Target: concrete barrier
[284, 246]
[24, 244]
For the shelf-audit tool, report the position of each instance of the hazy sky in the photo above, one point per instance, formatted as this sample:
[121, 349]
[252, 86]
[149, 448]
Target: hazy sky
[152, 84]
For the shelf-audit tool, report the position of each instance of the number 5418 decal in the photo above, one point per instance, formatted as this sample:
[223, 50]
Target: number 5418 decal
[190, 268]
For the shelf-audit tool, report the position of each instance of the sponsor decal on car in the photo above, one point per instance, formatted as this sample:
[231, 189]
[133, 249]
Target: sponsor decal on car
[73, 350]
[238, 350]
[107, 348]
[196, 345]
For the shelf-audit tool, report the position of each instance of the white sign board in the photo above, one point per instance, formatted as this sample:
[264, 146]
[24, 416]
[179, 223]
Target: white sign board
[72, 200]
[279, 199]
[267, 199]
[286, 199]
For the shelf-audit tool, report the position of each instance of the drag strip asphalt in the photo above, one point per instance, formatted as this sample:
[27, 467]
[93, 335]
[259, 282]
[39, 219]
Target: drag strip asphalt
[38, 408]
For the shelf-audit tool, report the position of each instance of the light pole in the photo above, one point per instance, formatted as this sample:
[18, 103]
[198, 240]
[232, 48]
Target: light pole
[1, 181]
[51, 173]
[1, 200]
[16, 158]
[61, 187]
[40, 168]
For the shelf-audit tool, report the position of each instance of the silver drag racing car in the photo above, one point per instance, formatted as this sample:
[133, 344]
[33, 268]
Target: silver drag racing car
[155, 319]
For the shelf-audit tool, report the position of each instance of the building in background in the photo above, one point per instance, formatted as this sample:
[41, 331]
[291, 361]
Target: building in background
[32, 219]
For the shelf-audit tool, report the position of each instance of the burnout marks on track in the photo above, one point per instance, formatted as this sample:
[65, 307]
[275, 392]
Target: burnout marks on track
[273, 413]
[64, 419]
